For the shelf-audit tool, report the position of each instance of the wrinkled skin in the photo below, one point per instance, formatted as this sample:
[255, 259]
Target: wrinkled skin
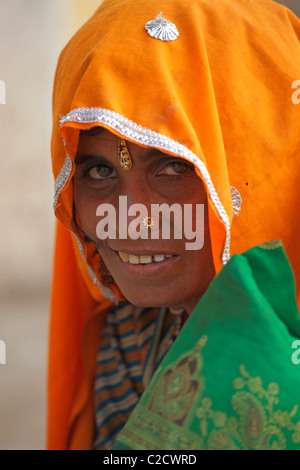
[158, 178]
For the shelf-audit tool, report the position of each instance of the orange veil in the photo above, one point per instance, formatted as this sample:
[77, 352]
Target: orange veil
[220, 95]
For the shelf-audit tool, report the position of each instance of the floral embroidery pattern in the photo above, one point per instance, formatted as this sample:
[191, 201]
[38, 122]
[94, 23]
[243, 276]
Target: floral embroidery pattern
[177, 415]
[258, 425]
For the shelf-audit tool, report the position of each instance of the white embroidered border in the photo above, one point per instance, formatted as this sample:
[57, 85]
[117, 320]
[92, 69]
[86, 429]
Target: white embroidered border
[62, 178]
[142, 135]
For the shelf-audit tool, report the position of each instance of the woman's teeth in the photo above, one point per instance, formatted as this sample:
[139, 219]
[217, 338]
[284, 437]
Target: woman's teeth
[144, 259]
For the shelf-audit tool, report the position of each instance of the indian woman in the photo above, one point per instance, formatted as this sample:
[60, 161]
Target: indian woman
[188, 338]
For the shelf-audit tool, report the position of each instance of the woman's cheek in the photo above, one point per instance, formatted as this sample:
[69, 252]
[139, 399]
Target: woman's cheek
[86, 208]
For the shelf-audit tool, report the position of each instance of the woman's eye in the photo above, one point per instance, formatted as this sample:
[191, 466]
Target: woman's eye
[175, 169]
[100, 172]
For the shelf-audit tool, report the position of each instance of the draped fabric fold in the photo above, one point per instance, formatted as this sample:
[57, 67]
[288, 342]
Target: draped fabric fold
[210, 393]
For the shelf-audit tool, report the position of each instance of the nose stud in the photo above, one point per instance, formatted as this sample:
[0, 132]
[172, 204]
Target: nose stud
[148, 222]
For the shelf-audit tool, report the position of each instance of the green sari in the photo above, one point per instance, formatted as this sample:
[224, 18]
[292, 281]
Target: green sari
[232, 378]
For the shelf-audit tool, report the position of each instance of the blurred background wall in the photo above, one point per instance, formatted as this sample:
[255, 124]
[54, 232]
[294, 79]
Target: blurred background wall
[32, 33]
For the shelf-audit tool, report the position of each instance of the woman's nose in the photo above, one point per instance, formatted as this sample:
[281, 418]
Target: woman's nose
[134, 207]
[136, 190]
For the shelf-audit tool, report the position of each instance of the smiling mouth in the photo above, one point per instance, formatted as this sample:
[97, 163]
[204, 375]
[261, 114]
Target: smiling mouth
[143, 259]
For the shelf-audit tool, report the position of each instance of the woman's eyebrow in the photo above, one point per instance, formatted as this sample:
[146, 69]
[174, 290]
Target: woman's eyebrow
[152, 153]
[84, 158]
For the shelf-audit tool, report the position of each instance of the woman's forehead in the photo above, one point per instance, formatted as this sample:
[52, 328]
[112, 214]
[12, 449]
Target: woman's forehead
[100, 140]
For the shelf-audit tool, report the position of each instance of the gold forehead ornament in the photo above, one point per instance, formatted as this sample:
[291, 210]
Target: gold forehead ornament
[125, 160]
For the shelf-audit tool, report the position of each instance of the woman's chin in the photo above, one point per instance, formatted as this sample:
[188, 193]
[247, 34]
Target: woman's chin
[155, 300]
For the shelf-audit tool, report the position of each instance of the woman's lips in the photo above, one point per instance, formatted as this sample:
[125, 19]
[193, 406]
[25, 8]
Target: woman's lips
[143, 264]
[142, 259]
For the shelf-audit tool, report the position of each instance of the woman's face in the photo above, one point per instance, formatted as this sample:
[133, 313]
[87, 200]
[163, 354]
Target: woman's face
[145, 277]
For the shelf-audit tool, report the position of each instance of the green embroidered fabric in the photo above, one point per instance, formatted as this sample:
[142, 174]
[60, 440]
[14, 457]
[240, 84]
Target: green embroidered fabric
[229, 381]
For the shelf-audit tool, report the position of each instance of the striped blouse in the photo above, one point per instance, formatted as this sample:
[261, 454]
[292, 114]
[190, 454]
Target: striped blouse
[133, 344]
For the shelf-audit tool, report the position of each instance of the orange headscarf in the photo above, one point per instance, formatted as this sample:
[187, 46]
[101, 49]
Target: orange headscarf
[220, 95]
